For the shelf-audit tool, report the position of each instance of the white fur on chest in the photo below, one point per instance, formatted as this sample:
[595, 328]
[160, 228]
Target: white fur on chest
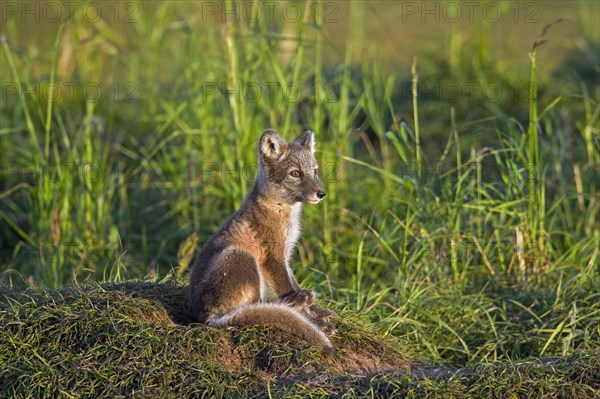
[293, 230]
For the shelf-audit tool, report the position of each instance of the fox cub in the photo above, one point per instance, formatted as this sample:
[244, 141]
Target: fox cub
[248, 257]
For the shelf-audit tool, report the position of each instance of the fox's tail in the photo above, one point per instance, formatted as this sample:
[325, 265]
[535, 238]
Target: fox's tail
[278, 315]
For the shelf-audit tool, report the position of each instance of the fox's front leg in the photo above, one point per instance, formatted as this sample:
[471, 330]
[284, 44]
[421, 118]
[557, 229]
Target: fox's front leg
[285, 286]
[287, 289]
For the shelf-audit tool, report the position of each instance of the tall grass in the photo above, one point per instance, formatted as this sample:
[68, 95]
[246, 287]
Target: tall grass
[480, 245]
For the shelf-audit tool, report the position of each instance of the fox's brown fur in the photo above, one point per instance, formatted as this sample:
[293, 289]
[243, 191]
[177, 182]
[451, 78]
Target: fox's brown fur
[249, 255]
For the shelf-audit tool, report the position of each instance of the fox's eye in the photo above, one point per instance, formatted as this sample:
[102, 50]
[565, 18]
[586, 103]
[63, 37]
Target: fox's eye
[295, 173]
[316, 171]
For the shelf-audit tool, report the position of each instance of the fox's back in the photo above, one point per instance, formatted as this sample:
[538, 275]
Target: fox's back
[261, 230]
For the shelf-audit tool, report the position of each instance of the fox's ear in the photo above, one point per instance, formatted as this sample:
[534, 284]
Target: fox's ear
[272, 145]
[308, 141]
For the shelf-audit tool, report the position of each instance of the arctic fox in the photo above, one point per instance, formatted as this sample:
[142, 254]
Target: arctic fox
[248, 256]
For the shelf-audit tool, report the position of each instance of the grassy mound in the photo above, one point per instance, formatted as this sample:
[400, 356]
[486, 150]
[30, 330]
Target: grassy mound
[137, 340]
[127, 339]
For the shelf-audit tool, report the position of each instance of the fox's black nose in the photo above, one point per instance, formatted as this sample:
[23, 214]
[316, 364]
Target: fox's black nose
[321, 194]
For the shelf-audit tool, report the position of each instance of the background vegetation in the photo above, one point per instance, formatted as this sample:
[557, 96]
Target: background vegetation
[460, 155]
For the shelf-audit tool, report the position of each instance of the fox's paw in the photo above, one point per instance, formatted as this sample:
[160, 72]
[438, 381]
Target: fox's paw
[324, 326]
[300, 299]
[317, 311]
[321, 324]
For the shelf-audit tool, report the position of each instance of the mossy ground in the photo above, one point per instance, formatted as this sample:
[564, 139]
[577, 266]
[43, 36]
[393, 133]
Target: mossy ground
[136, 339]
